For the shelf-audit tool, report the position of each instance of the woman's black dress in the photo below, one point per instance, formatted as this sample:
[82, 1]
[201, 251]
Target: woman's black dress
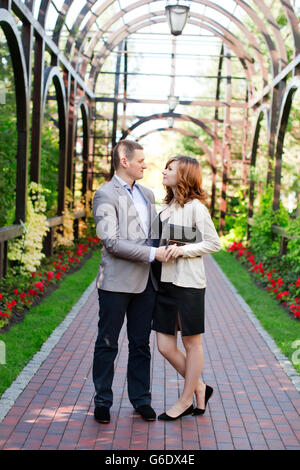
[178, 307]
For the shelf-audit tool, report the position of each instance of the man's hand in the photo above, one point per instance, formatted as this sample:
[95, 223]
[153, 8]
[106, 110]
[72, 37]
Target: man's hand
[173, 251]
[160, 254]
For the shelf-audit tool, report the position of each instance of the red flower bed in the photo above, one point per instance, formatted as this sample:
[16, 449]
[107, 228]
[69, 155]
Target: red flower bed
[289, 295]
[50, 274]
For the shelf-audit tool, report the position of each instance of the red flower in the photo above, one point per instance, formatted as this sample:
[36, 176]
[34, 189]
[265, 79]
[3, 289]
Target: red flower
[58, 276]
[279, 296]
[50, 275]
[16, 291]
[1, 296]
[39, 285]
[3, 315]
[297, 283]
[280, 282]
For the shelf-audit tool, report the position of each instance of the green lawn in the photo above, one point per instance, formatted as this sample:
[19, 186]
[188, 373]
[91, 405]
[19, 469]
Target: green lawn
[280, 326]
[24, 339]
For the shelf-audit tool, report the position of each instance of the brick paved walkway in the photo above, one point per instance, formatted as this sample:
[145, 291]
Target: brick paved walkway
[255, 404]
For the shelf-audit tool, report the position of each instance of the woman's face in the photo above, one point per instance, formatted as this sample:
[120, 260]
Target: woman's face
[170, 174]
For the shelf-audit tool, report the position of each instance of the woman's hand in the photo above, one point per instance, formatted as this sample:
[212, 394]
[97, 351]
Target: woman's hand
[173, 251]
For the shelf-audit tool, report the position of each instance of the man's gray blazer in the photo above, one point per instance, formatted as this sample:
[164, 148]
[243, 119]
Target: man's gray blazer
[125, 265]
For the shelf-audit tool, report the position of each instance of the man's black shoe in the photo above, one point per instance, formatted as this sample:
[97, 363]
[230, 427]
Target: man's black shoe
[101, 414]
[146, 412]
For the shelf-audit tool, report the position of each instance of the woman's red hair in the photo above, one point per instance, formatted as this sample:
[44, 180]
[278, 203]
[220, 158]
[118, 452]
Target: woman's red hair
[189, 181]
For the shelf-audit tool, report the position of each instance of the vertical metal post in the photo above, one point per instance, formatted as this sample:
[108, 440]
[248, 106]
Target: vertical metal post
[226, 142]
[245, 147]
[215, 147]
[71, 134]
[37, 118]
[125, 85]
[116, 95]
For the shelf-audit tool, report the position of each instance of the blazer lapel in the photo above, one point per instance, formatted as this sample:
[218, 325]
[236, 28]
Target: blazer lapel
[131, 207]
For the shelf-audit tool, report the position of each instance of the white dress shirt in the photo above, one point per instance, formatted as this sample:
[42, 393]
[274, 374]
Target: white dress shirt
[141, 206]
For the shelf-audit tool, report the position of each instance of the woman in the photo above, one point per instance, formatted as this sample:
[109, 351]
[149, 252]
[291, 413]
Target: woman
[180, 301]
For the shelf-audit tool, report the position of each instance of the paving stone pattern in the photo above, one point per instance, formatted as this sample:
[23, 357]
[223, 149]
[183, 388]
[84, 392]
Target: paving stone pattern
[255, 403]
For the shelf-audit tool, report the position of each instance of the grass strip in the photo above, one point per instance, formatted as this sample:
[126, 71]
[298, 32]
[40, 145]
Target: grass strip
[281, 327]
[24, 339]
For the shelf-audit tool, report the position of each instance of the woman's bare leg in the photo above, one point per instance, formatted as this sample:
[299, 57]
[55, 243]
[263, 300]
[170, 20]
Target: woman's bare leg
[167, 345]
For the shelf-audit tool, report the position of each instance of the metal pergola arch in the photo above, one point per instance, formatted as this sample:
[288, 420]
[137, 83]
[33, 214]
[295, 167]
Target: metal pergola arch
[76, 88]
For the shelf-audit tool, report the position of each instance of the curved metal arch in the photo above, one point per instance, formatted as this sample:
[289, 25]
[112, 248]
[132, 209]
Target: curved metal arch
[255, 18]
[242, 4]
[54, 74]
[274, 26]
[262, 112]
[82, 106]
[293, 23]
[9, 27]
[43, 11]
[182, 117]
[98, 36]
[202, 144]
[239, 24]
[30, 4]
[95, 70]
[215, 24]
[60, 20]
[286, 105]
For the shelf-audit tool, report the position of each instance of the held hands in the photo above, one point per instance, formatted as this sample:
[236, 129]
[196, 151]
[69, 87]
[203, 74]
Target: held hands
[172, 252]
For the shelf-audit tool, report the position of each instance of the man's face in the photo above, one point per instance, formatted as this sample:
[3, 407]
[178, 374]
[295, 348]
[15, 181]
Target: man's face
[135, 167]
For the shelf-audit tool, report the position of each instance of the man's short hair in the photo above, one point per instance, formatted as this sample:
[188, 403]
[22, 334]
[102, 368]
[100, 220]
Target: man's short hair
[125, 148]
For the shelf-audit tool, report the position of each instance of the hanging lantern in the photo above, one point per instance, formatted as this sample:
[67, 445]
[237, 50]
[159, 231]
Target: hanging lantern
[170, 121]
[172, 102]
[177, 16]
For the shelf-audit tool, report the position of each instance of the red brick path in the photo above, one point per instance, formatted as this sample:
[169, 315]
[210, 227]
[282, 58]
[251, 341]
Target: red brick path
[255, 405]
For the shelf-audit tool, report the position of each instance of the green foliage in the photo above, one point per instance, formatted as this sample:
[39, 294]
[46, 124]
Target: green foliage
[50, 158]
[263, 241]
[8, 137]
[292, 258]
[236, 226]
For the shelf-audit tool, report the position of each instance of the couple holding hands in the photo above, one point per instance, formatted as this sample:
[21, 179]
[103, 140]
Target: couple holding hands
[152, 271]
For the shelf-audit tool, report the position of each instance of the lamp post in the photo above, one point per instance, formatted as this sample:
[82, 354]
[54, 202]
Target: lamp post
[177, 15]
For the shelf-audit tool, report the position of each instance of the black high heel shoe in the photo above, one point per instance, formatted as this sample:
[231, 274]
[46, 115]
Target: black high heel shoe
[208, 393]
[165, 417]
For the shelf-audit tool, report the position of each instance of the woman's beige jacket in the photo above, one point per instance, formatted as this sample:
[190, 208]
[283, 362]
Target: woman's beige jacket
[188, 270]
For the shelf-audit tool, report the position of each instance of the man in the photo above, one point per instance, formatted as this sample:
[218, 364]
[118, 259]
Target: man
[123, 211]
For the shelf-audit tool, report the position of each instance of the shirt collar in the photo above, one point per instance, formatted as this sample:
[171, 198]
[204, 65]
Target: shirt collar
[126, 185]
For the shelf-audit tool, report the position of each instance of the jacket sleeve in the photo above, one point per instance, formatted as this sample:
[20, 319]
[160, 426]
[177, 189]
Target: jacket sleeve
[210, 239]
[107, 229]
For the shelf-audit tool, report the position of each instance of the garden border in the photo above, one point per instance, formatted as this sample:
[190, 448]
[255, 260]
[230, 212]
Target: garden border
[16, 388]
[284, 362]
